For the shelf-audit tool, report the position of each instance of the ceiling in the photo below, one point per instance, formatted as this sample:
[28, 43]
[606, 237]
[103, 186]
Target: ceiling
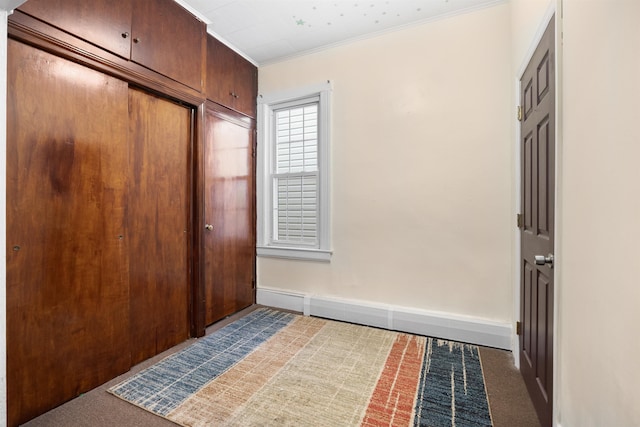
[266, 31]
[10, 4]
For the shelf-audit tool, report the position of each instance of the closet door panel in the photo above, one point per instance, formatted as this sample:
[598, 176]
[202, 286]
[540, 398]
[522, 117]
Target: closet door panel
[158, 222]
[229, 209]
[67, 268]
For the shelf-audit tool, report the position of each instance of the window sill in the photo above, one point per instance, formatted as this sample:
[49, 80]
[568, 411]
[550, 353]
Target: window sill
[294, 253]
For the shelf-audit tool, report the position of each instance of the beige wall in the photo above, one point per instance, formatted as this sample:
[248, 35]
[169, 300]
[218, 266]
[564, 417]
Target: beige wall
[600, 294]
[526, 19]
[421, 168]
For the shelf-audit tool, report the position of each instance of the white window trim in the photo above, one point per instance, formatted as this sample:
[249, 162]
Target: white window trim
[265, 247]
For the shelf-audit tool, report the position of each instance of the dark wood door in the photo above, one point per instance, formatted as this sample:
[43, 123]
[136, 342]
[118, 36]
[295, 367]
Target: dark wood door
[105, 23]
[229, 176]
[158, 210]
[67, 269]
[231, 79]
[538, 189]
[169, 40]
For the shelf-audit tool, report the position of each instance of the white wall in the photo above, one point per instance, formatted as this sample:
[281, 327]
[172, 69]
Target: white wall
[599, 311]
[421, 168]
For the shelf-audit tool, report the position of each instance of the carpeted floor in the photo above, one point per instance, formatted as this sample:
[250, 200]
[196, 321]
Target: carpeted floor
[508, 399]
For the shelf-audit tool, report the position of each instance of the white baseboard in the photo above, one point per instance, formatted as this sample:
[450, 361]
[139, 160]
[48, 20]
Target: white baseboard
[405, 319]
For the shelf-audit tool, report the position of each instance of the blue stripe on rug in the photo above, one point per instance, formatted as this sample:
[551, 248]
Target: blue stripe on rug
[164, 386]
[442, 382]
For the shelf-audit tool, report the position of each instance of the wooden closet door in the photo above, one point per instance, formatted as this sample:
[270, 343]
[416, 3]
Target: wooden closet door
[159, 203]
[67, 269]
[229, 212]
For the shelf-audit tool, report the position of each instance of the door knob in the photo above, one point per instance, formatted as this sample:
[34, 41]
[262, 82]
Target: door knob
[208, 227]
[542, 260]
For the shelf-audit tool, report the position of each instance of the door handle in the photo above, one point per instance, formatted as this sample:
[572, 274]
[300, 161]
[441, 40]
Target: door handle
[542, 260]
[208, 227]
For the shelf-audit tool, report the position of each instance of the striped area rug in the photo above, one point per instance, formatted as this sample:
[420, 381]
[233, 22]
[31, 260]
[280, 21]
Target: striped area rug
[280, 369]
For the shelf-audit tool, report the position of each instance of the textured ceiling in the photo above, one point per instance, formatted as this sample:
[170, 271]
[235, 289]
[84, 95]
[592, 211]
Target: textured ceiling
[10, 4]
[266, 31]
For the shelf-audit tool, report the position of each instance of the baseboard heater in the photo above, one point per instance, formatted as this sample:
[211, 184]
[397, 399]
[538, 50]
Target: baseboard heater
[405, 319]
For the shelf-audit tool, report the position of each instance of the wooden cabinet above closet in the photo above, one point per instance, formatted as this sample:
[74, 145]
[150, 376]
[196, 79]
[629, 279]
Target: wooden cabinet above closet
[231, 80]
[168, 39]
[157, 34]
[106, 23]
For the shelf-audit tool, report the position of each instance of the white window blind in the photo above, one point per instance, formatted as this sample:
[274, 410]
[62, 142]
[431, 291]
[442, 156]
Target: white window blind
[295, 178]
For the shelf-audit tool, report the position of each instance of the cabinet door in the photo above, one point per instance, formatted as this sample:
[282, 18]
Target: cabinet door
[220, 72]
[105, 23]
[246, 86]
[229, 210]
[231, 79]
[67, 269]
[160, 134]
[169, 40]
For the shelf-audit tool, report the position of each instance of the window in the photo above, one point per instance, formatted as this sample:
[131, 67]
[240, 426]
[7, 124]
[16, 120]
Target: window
[293, 173]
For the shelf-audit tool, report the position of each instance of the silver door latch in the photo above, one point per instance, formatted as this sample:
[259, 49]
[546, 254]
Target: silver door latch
[542, 260]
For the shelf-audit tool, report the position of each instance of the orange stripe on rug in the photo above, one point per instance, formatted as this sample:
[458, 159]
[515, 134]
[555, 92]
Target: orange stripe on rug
[392, 401]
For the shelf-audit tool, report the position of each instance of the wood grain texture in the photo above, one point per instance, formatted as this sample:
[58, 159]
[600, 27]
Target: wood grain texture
[158, 214]
[229, 184]
[168, 39]
[67, 269]
[106, 23]
[198, 302]
[35, 32]
[231, 80]
[104, 184]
